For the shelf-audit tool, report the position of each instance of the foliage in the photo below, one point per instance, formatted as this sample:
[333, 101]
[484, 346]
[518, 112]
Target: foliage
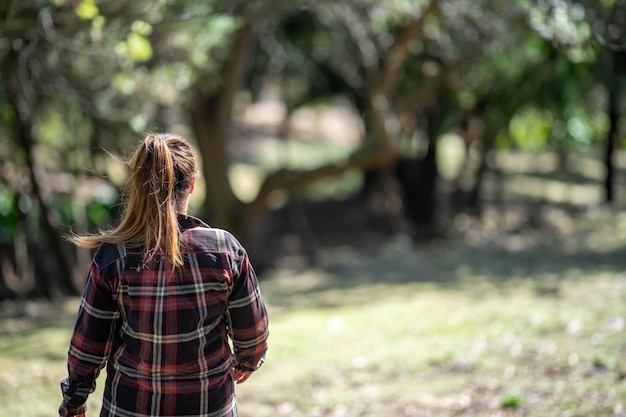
[114, 64]
[86, 78]
[9, 217]
[512, 401]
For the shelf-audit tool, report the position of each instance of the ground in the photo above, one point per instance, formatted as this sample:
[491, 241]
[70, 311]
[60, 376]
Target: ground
[523, 319]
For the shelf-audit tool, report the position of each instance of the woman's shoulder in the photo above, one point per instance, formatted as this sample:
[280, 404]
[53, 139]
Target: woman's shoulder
[203, 237]
[214, 238]
[108, 253]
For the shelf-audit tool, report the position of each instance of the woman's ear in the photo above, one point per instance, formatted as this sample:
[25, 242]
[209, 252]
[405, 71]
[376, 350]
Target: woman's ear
[193, 185]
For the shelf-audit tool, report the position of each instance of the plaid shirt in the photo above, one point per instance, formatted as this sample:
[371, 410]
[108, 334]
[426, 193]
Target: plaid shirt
[165, 338]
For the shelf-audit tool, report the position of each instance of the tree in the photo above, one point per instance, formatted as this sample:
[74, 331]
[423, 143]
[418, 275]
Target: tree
[607, 19]
[82, 80]
[58, 65]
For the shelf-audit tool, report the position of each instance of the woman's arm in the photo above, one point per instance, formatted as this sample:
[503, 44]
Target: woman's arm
[247, 322]
[92, 339]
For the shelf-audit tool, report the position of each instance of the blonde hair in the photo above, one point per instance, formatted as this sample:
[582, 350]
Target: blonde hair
[162, 171]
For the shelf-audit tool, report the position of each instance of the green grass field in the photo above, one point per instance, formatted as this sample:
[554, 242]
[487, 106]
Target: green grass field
[478, 327]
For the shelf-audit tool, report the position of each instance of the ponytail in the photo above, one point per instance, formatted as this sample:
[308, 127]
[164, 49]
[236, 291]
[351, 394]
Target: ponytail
[151, 206]
[162, 170]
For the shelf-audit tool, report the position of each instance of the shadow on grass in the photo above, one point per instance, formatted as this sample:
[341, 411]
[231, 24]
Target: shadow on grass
[25, 320]
[566, 178]
[450, 266]
[398, 265]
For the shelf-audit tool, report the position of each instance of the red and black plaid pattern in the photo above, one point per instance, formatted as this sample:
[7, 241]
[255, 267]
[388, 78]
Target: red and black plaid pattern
[164, 337]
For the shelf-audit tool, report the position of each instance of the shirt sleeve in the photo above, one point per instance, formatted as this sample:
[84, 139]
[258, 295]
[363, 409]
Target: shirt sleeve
[247, 319]
[93, 335]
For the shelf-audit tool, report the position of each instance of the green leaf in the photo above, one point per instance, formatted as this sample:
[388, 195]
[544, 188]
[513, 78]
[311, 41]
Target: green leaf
[512, 401]
[97, 212]
[139, 48]
[87, 10]
[141, 27]
[7, 202]
[121, 81]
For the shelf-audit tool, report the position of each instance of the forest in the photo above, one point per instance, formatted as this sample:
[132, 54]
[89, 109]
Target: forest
[366, 139]
[402, 107]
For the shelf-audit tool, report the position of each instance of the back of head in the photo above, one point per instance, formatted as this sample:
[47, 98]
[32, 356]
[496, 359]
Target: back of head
[162, 171]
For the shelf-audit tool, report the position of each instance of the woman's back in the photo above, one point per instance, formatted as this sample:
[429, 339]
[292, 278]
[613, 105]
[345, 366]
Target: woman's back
[165, 299]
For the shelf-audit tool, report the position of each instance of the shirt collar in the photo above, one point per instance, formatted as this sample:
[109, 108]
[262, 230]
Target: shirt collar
[189, 222]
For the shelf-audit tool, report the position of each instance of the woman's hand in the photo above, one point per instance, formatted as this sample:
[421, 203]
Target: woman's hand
[241, 376]
[64, 411]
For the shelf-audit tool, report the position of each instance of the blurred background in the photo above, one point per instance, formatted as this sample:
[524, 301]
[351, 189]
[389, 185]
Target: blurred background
[321, 128]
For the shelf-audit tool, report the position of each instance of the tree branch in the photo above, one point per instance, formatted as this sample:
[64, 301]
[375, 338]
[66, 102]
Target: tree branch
[378, 105]
[291, 181]
[399, 51]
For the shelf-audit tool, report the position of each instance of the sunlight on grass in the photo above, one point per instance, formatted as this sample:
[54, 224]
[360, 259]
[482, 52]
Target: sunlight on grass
[426, 344]
[32, 361]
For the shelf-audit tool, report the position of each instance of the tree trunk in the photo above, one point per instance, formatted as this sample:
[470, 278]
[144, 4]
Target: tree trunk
[23, 128]
[48, 223]
[487, 139]
[613, 87]
[211, 119]
[419, 178]
[426, 214]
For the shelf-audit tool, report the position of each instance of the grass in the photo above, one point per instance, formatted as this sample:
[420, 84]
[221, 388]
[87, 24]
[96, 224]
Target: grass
[448, 329]
[424, 350]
